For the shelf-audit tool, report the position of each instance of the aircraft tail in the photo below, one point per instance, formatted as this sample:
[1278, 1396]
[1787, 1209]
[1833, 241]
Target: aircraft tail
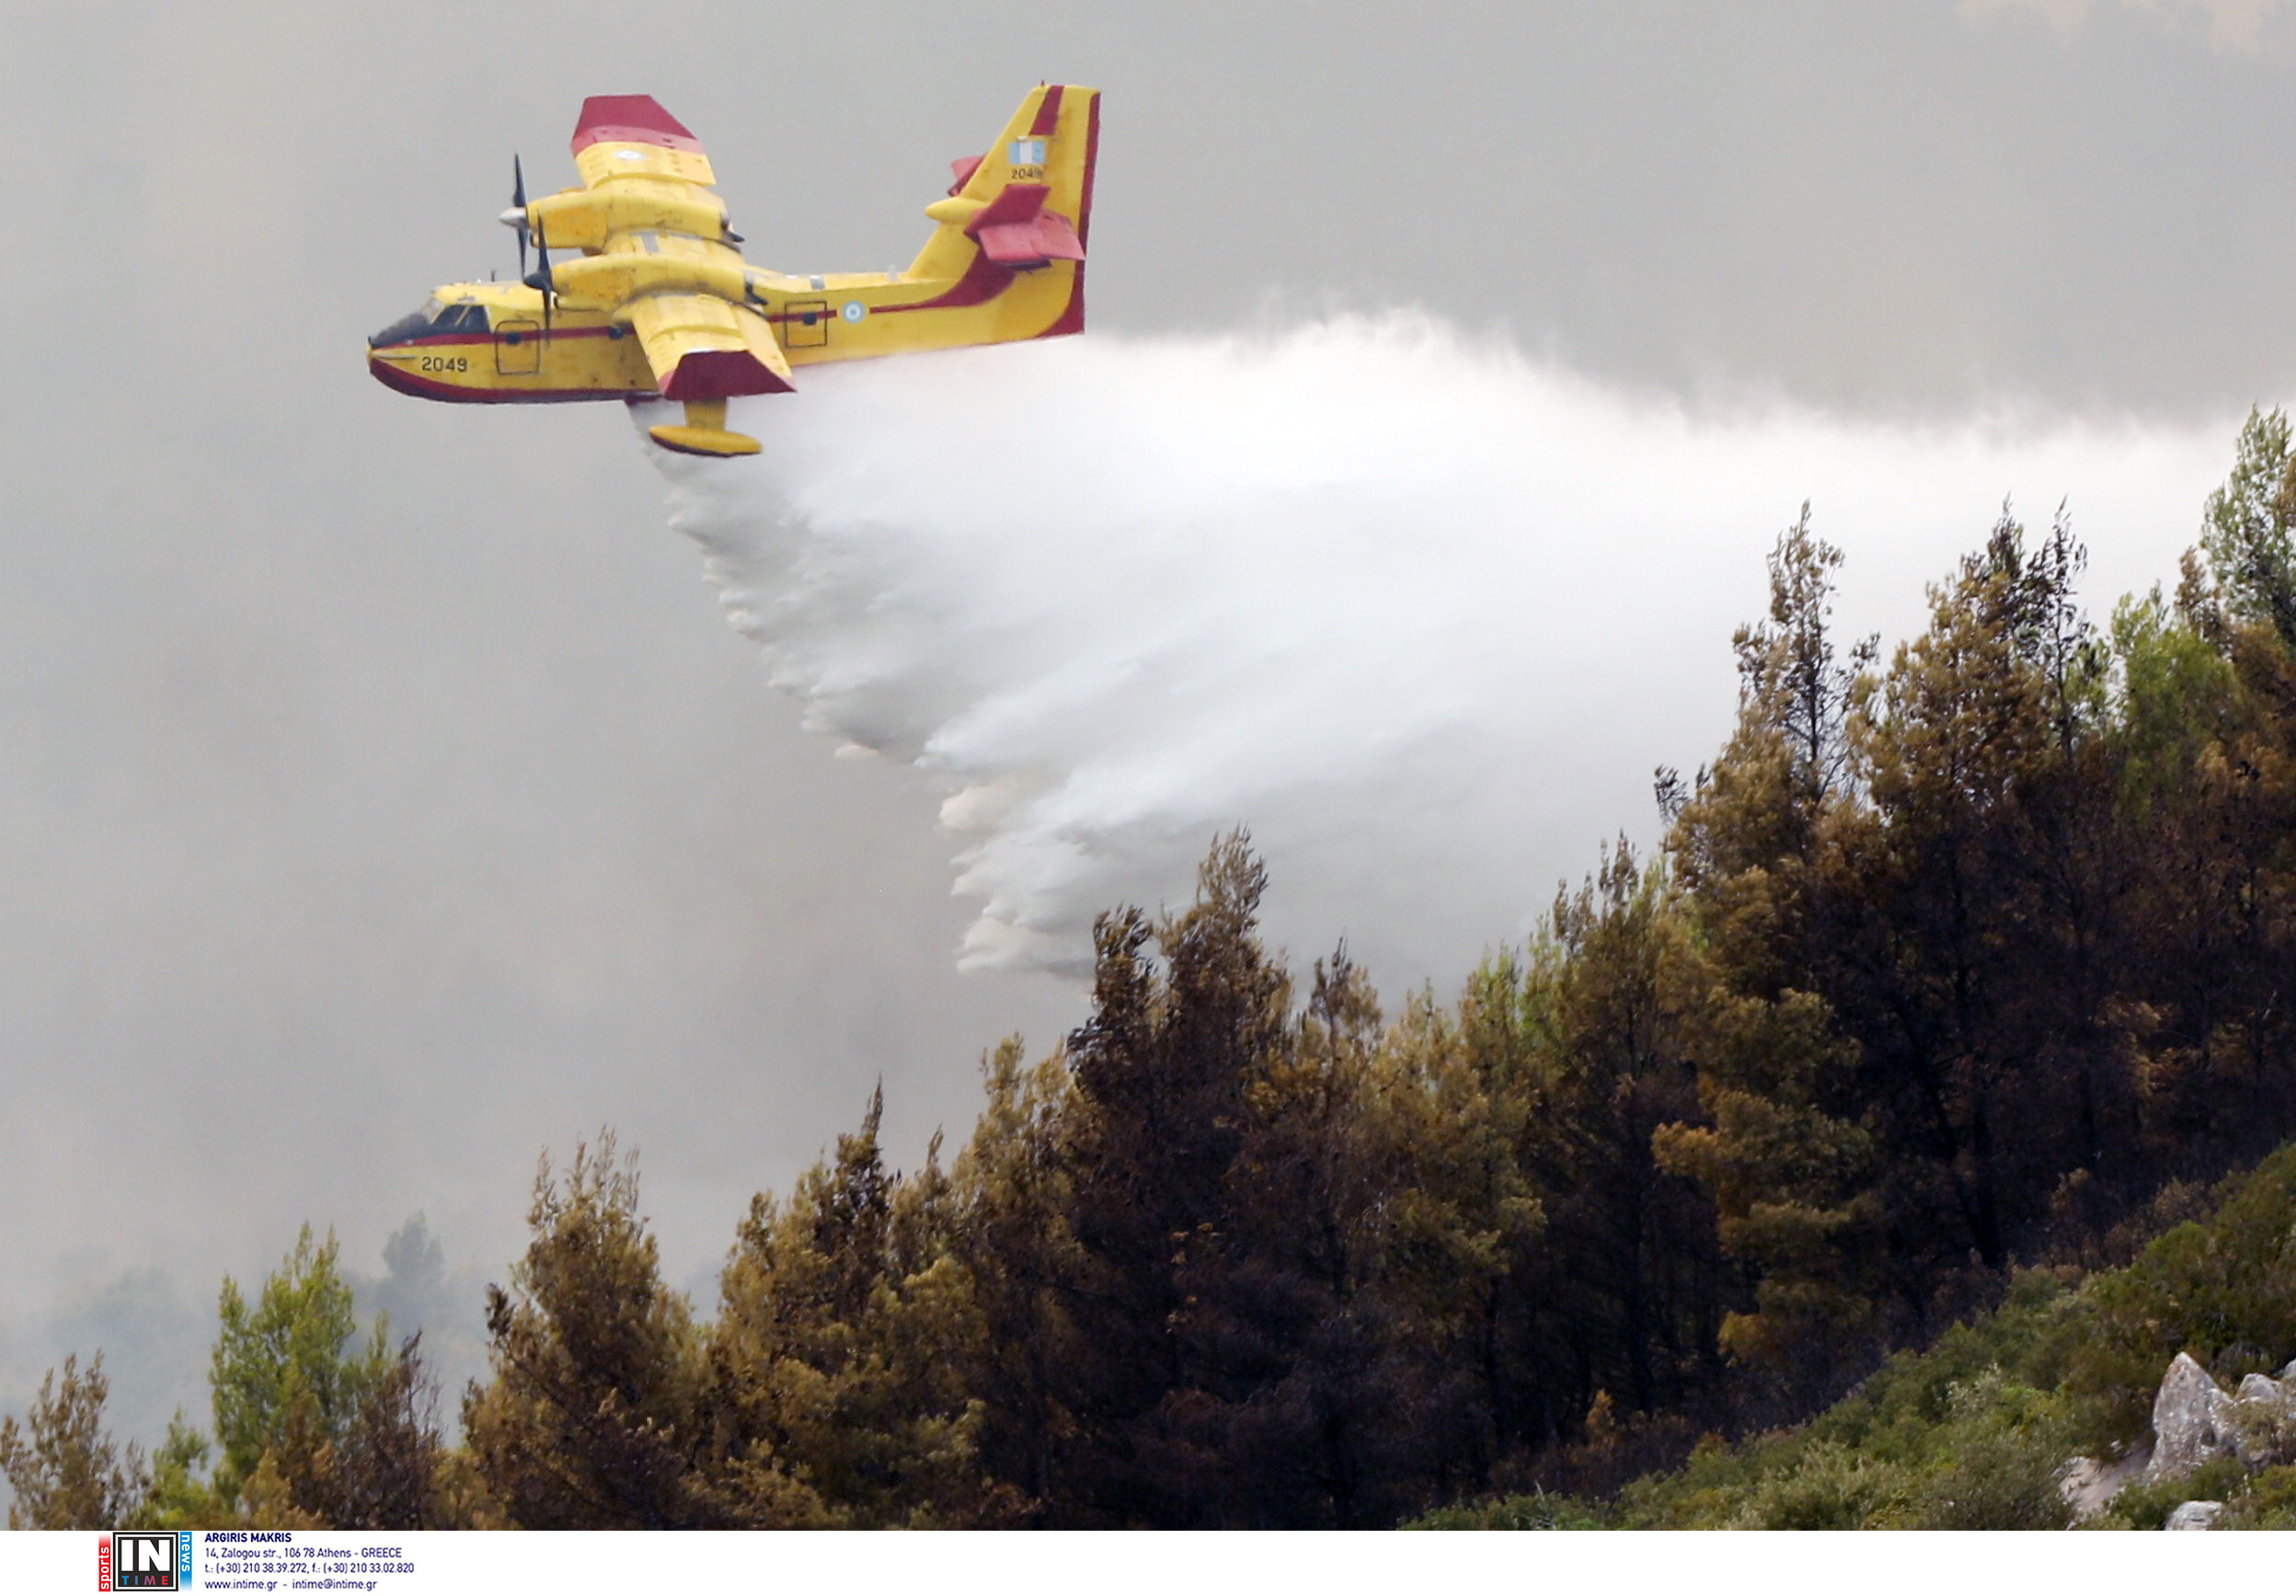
[1026, 204]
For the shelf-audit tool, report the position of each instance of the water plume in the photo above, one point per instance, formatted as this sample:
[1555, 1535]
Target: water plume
[1422, 612]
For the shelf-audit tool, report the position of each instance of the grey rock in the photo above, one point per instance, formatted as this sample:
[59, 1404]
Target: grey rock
[2195, 1516]
[2192, 1421]
[2261, 1388]
[2263, 1413]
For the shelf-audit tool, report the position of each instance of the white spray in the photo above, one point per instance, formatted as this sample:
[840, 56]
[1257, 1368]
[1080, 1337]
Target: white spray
[1422, 614]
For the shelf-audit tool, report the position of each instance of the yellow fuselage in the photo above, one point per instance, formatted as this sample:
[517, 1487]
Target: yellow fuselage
[586, 355]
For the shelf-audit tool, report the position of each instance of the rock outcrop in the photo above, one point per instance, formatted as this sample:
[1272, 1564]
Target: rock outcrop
[2262, 1388]
[2193, 1422]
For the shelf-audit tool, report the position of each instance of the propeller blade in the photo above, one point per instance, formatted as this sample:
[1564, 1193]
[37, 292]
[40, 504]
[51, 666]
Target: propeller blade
[518, 204]
[549, 287]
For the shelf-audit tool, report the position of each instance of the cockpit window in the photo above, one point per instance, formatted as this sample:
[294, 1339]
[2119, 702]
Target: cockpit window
[436, 316]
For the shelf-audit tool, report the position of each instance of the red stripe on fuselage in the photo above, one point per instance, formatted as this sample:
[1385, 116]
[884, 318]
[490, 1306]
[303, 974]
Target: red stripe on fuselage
[983, 281]
[487, 342]
[405, 382]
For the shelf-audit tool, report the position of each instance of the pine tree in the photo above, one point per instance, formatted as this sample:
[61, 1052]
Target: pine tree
[1012, 1194]
[66, 1472]
[1631, 1287]
[2246, 528]
[1454, 1101]
[596, 1418]
[291, 1378]
[1321, 1412]
[1969, 898]
[387, 1468]
[1161, 1072]
[840, 1354]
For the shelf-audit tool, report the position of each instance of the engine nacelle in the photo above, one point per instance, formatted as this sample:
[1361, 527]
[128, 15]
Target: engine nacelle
[605, 281]
[580, 219]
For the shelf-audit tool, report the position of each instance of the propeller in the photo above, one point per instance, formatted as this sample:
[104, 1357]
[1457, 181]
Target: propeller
[541, 278]
[515, 216]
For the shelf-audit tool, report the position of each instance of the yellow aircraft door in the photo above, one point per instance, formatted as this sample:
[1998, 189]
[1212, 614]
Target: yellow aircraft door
[805, 324]
[518, 348]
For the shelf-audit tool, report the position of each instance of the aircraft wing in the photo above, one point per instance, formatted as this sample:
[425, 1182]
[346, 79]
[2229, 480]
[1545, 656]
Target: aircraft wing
[701, 347]
[629, 135]
[651, 181]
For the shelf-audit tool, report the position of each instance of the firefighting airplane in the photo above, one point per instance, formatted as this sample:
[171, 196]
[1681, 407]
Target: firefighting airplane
[660, 302]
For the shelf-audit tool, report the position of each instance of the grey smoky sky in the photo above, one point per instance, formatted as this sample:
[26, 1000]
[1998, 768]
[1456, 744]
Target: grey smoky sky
[383, 797]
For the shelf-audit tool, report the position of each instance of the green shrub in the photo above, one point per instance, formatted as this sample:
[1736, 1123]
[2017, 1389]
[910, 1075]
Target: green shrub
[1539, 1511]
[2269, 1502]
[1831, 1487]
[1709, 1492]
[1998, 1462]
[2146, 1504]
[2222, 1288]
[1975, 1432]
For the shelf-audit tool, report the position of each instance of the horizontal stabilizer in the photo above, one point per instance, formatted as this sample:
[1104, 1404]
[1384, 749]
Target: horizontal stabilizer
[1019, 214]
[1014, 229]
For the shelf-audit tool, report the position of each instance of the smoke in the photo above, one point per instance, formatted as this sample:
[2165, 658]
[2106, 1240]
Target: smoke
[1422, 613]
[155, 1342]
[2239, 26]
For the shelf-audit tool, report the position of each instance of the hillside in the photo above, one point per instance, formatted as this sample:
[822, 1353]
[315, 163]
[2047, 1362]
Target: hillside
[1976, 1432]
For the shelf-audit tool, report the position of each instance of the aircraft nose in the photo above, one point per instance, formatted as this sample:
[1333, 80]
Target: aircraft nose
[384, 369]
[399, 331]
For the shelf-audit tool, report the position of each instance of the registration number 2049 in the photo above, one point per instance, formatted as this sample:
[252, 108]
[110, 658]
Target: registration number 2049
[447, 362]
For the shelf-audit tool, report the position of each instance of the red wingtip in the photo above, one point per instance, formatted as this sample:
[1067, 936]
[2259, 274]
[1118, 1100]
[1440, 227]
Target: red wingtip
[722, 374]
[630, 118]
